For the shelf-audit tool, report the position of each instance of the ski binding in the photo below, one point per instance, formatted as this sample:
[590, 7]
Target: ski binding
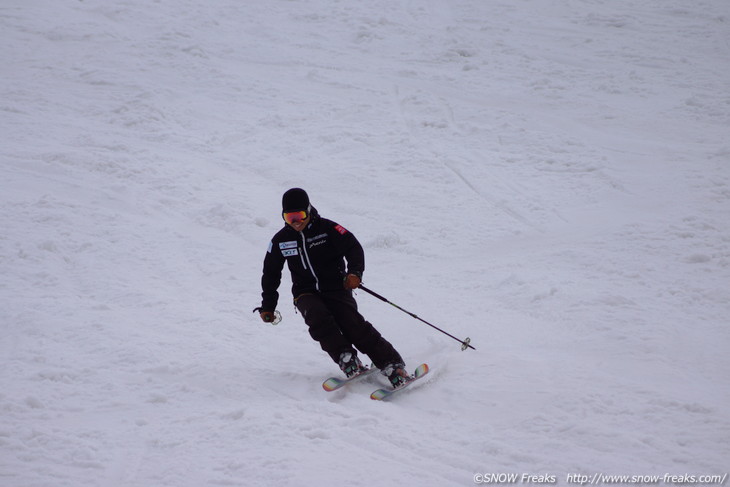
[382, 394]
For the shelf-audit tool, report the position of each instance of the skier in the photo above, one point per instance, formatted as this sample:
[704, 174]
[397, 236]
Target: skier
[315, 250]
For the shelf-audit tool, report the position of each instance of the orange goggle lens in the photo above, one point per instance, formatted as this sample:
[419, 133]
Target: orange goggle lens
[295, 216]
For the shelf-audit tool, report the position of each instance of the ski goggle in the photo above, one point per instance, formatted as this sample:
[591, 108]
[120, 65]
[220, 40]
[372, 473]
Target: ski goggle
[295, 216]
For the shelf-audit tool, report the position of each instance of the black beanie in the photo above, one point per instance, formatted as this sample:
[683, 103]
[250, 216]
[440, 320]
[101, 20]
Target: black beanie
[295, 199]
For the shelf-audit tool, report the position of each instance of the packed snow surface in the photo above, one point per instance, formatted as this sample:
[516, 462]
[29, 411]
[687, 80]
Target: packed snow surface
[550, 178]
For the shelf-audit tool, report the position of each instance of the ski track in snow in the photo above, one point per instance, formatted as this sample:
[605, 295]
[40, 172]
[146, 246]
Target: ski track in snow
[549, 178]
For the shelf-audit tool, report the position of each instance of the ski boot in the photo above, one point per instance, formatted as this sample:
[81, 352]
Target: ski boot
[350, 364]
[396, 374]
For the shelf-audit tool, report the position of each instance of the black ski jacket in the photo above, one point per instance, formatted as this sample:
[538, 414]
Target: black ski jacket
[315, 256]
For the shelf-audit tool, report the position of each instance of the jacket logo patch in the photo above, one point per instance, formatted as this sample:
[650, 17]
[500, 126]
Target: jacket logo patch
[292, 244]
[290, 252]
[317, 237]
[341, 229]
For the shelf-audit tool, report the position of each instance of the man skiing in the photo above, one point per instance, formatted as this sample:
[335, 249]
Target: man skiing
[315, 250]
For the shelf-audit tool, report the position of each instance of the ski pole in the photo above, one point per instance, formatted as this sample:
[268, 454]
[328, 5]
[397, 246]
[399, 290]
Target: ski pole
[464, 343]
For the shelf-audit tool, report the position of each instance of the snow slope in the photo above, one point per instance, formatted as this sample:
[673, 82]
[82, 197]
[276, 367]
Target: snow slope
[548, 177]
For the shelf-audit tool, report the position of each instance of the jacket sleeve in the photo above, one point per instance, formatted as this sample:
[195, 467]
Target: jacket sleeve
[348, 245]
[271, 278]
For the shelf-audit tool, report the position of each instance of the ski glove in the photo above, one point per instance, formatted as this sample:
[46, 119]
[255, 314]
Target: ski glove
[352, 281]
[273, 317]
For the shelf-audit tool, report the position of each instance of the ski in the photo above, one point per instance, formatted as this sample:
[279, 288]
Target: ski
[334, 383]
[382, 394]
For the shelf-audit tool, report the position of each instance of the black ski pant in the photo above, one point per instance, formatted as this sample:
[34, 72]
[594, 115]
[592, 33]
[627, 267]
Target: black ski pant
[335, 323]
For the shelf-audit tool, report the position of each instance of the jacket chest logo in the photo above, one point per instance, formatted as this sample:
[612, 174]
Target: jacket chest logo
[289, 249]
[317, 240]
